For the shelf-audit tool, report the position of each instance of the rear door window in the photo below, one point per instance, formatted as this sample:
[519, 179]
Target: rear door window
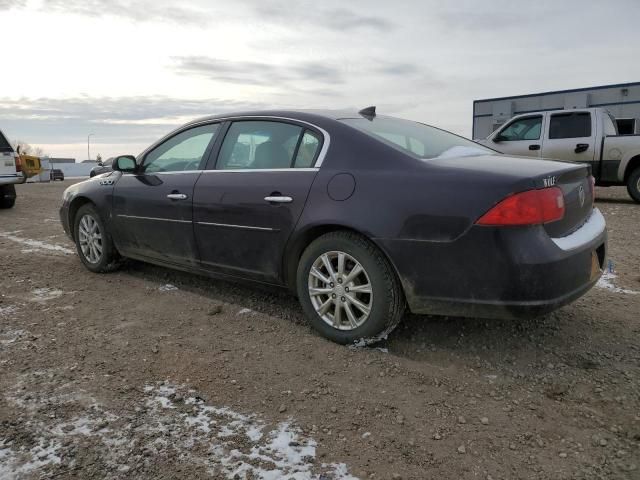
[308, 150]
[570, 125]
[528, 128]
[267, 145]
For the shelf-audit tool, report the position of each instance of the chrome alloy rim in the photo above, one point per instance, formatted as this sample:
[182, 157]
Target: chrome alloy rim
[340, 290]
[638, 185]
[90, 239]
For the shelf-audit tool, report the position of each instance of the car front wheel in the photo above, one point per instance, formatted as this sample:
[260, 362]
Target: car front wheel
[348, 289]
[93, 241]
[633, 185]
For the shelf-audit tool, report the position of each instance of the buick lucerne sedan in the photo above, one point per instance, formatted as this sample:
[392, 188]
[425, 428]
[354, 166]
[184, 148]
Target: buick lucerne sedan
[361, 215]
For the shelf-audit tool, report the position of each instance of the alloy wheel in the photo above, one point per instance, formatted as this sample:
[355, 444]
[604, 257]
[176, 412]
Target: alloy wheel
[90, 239]
[340, 290]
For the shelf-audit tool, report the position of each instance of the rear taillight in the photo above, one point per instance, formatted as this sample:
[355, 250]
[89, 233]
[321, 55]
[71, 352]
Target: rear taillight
[18, 164]
[533, 207]
[593, 189]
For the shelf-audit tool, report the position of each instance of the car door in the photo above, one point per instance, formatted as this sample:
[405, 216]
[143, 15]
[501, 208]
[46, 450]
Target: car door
[152, 209]
[570, 136]
[521, 136]
[248, 202]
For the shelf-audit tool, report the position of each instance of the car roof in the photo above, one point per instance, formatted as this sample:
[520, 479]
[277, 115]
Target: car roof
[293, 114]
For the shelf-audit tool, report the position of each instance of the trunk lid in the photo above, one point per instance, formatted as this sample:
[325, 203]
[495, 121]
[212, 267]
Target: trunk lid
[577, 189]
[512, 174]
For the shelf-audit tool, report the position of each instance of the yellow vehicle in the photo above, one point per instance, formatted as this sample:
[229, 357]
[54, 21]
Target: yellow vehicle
[30, 166]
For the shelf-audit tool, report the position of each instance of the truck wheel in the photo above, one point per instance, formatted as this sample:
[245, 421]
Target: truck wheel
[7, 196]
[348, 289]
[633, 185]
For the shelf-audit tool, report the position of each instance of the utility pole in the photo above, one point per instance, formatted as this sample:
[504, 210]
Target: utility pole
[88, 150]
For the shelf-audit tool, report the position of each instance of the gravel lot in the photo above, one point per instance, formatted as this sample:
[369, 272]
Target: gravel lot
[151, 373]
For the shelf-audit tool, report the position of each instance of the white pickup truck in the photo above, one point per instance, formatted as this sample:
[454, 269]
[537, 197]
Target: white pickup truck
[10, 173]
[585, 135]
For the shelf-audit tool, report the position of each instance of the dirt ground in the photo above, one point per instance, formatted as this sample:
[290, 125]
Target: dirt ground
[154, 374]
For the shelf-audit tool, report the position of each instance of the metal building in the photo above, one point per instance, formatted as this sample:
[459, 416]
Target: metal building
[622, 100]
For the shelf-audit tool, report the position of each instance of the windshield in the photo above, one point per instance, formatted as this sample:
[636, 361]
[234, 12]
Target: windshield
[416, 138]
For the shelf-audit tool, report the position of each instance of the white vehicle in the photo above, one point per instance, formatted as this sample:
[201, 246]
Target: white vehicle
[10, 173]
[585, 135]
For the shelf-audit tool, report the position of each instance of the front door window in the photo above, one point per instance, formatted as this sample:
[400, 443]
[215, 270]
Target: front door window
[182, 152]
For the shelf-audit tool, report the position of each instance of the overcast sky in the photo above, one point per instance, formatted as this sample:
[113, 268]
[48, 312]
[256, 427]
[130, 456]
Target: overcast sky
[128, 72]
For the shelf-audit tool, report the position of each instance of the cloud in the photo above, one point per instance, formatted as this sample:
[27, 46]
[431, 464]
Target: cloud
[116, 119]
[138, 11]
[292, 76]
[336, 19]
[257, 73]
[343, 19]
[9, 4]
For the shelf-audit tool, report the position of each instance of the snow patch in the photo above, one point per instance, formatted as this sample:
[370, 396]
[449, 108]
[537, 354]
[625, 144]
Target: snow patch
[36, 245]
[168, 420]
[245, 311]
[12, 466]
[45, 294]
[606, 282]
[12, 336]
[168, 288]
[8, 311]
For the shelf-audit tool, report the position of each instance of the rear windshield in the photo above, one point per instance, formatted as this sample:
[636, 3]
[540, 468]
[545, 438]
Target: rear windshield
[4, 144]
[417, 139]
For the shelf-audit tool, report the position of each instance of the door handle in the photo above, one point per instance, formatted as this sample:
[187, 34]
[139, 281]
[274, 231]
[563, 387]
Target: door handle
[534, 147]
[177, 196]
[278, 199]
[581, 147]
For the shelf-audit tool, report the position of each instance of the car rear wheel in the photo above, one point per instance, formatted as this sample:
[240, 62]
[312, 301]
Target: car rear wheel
[7, 196]
[93, 241]
[348, 289]
[633, 185]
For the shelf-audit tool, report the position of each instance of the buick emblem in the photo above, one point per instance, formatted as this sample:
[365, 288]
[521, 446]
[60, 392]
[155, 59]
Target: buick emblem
[581, 195]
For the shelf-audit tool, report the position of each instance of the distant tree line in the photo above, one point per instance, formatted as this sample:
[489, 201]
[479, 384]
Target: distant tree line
[27, 149]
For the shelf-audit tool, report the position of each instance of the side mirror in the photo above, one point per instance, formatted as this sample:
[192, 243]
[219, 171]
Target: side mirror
[125, 163]
[100, 164]
[499, 138]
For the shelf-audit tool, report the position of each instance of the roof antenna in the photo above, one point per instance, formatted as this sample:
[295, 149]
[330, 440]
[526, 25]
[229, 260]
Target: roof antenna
[368, 112]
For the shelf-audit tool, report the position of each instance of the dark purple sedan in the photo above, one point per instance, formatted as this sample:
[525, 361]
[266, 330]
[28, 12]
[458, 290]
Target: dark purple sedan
[361, 215]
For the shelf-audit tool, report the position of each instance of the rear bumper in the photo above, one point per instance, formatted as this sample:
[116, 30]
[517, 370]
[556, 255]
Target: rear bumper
[12, 179]
[495, 272]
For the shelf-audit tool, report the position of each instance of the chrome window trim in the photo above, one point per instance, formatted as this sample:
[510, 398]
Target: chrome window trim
[235, 170]
[321, 156]
[155, 218]
[246, 170]
[163, 173]
[241, 227]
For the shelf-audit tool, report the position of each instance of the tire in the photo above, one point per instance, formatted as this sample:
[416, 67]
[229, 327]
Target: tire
[107, 258]
[345, 322]
[7, 196]
[633, 185]
[92, 174]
